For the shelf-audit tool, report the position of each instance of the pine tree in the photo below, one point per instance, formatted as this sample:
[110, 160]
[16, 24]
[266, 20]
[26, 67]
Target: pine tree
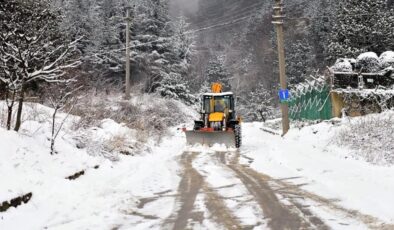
[183, 46]
[299, 61]
[216, 72]
[174, 86]
[107, 35]
[360, 26]
[257, 105]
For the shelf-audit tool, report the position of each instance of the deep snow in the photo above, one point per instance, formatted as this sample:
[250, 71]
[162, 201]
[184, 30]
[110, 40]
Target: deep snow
[310, 155]
[114, 195]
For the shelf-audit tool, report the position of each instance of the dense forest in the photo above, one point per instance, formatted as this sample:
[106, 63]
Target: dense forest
[179, 47]
[316, 34]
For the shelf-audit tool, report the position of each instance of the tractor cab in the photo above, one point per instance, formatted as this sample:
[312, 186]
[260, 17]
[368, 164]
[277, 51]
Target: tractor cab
[217, 109]
[219, 123]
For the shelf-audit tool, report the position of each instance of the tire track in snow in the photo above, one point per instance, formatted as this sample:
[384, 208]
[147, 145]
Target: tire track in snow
[191, 185]
[292, 192]
[330, 204]
[230, 191]
[292, 216]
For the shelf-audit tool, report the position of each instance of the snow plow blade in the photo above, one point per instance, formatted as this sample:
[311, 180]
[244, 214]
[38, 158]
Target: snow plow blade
[210, 138]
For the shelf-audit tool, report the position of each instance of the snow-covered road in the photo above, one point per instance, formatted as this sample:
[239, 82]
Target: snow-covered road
[264, 185]
[301, 181]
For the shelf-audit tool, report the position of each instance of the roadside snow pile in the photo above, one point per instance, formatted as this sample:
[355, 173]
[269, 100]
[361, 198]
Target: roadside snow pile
[109, 139]
[387, 59]
[371, 137]
[310, 158]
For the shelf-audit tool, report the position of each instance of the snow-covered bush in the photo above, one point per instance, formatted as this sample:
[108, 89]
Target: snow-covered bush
[371, 137]
[387, 59]
[148, 113]
[343, 65]
[368, 62]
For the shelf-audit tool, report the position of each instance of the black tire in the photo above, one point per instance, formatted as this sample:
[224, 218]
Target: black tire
[238, 136]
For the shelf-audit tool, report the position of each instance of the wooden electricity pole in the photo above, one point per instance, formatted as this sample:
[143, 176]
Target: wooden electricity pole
[278, 22]
[127, 84]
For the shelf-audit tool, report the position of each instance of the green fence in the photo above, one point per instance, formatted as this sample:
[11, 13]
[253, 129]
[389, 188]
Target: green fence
[311, 102]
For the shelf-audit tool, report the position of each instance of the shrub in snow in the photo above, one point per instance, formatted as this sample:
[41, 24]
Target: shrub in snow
[343, 65]
[371, 137]
[368, 62]
[150, 114]
[387, 59]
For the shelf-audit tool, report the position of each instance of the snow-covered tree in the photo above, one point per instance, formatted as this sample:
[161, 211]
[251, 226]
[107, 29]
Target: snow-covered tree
[32, 49]
[299, 61]
[183, 45]
[257, 104]
[107, 36]
[174, 86]
[217, 72]
[60, 96]
[360, 26]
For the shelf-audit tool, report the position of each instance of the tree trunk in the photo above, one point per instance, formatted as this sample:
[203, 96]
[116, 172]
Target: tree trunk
[9, 117]
[53, 137]
[262, 116]
[20, 107]
[10, 107]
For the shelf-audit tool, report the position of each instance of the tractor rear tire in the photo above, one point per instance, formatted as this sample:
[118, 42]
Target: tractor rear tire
[238, 136]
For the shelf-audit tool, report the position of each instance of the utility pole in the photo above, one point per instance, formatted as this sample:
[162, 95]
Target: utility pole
[278, 22]
[127, 84]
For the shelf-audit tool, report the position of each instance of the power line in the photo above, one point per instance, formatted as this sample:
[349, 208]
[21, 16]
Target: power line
[248, 9]
[219, 25]
[351, 15]
[286, 19]
[231, 17]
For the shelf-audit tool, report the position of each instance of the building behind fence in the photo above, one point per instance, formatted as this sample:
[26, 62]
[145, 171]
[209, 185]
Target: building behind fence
[354, 93]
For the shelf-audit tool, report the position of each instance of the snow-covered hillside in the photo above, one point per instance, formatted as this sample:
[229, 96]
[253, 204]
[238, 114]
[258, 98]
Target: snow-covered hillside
[77, 189]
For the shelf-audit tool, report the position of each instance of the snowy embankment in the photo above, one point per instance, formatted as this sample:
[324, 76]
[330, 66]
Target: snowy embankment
[312, 156]
[109, 187]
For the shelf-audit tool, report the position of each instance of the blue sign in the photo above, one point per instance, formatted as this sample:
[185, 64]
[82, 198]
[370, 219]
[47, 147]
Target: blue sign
[284, 95]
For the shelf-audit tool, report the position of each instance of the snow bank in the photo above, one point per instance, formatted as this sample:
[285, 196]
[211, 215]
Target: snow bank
[106, 196]
[310, 155]
[371, 137]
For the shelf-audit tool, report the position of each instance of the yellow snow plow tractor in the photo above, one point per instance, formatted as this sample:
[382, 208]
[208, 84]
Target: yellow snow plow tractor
[219, 123]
